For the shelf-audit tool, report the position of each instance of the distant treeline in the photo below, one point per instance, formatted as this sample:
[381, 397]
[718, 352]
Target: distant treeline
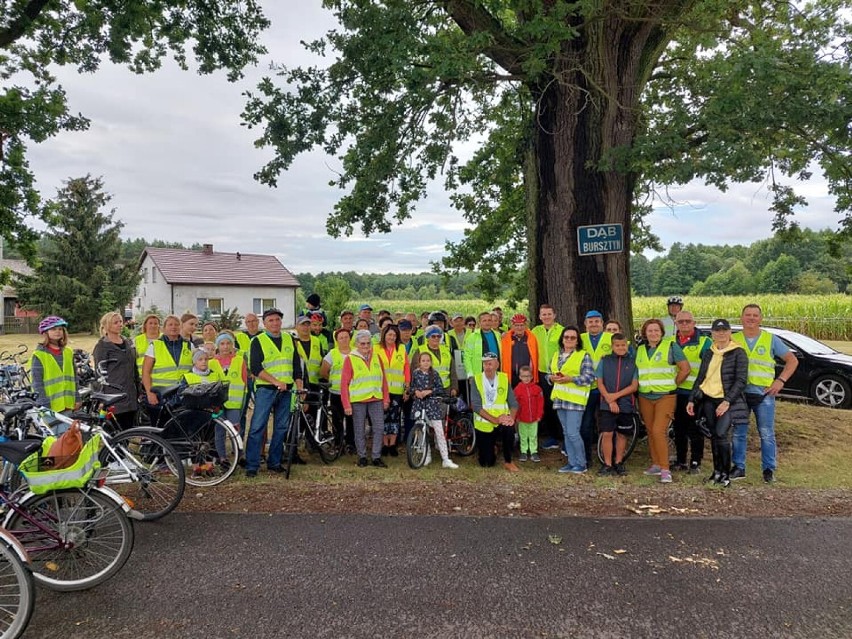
[798, 261]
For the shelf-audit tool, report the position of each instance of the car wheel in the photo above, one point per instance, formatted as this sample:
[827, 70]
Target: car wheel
[832, 391]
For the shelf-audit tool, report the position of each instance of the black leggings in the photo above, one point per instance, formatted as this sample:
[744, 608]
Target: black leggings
[720, 428]
[686, 433]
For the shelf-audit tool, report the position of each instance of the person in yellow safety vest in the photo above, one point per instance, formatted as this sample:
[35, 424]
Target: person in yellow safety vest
[323, 334]
[661, 366]
[252, 330]
[686, 432]
[494, 407]
[763, 348]
[398, 375]
[203, 373]
[166, 360]
[482, 340]
[232, 363]
[52, 372]
[310, 352]
[597, 343]
[277, 367]
[442, 359]
[572, 372]
[150, 332]
[364, 392]
[547, 339]
[332, 370]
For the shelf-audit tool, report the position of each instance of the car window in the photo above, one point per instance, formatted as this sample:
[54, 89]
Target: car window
[807, 344]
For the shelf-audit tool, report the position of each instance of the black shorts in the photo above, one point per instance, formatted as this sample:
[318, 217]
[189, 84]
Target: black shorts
[608, 422]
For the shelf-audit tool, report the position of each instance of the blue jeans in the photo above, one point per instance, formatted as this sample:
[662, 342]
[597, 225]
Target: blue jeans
[571, 420]
[764, 415]
[268, 400]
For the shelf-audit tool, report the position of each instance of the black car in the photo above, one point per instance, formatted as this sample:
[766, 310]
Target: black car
[824, 375]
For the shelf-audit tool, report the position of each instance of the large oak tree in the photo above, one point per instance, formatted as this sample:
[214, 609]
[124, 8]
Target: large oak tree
[578, 111]
[37, 35]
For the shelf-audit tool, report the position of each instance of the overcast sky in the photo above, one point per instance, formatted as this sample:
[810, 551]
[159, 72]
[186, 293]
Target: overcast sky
[171, 150]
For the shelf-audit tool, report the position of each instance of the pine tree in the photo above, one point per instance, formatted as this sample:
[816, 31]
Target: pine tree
[80, 274]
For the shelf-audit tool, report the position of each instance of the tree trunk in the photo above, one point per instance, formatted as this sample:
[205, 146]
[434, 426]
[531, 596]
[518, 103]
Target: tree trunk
[571, 180]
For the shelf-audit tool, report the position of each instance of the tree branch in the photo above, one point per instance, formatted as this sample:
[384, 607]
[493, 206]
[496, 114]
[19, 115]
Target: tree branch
[472, 17]
[18, 27]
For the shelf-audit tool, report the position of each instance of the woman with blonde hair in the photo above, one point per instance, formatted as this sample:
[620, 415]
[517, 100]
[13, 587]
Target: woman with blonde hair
[150, 331]
[119, 356]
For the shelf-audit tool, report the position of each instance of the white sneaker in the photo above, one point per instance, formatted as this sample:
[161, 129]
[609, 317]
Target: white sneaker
[428, 460]
[449, 463]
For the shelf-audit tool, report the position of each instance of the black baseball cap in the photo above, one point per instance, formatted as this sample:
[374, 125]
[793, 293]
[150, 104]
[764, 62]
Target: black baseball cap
[272, 311]
[720, 325]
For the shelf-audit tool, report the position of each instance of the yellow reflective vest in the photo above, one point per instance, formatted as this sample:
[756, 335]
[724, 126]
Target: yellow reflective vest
[604, 348]
[569, 391]
[366, 382]
[165, 372]
[761, 364]
[441, 365]
[656, 375]
[312, 360]
[236, 385]
[692, 352]
[394, 369]
[500, 405]
[278, 363]
[60, 384]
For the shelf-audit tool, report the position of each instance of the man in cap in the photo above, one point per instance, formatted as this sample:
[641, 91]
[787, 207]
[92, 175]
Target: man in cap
[674, 305]
[310, 352]
[318, 329]
[494, 408]
[520, 348]
[365, 312]
[686, 432]
[596, 343]
[482, 340]
[347, 320]
[277, 368]
[312, 305]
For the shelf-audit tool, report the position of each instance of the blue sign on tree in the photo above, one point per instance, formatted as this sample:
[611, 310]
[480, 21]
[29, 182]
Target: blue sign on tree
[596, 239]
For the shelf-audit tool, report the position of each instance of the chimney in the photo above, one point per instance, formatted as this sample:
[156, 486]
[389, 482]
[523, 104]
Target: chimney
[207, 249]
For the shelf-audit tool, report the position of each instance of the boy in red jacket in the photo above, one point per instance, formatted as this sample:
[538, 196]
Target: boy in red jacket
[530, 411]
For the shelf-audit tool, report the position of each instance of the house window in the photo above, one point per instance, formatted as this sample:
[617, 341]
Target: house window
[213, 305]
[145, 275]
[260, 304]
[153, 274]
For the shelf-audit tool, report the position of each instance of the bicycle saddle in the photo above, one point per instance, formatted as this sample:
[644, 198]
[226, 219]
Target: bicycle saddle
[108, 398]
[13, 410]
[18, 451]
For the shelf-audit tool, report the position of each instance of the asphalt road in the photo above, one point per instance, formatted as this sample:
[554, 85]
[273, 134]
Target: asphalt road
[211, 576]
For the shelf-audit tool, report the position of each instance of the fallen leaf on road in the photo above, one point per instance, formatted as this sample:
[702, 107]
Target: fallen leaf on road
[705, 562]
[554, 539]
[513, 505]
[605, 555]
[620, 551]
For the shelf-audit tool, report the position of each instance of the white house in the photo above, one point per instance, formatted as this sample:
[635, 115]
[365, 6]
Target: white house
[180, 281]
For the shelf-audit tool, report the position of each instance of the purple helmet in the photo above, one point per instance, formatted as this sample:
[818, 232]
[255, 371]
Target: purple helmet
[51, 321]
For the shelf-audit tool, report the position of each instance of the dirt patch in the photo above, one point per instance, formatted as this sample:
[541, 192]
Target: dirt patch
[453, 497]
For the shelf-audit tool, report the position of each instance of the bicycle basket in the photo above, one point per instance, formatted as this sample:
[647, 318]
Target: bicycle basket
[37, 467]
[204, 396]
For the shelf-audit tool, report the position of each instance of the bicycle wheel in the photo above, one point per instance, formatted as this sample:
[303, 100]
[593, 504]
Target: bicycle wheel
[158, 479]
[196, 447]
[462, 436]
[17, 594]
[95, 537]
[632, 439]
[416, 445]
[329, 441]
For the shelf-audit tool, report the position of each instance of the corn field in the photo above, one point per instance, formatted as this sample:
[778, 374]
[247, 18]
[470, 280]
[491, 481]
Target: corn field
[827, 317]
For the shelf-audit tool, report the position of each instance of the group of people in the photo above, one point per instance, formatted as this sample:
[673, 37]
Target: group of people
[520, 382]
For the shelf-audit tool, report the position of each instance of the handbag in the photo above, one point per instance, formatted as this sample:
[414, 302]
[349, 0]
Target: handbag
[65, 450]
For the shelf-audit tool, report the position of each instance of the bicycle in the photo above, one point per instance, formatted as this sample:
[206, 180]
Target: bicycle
[421, 437]
[77, 536]
[192, 433]
[140, 465]
[317, 430]
[637, 433]
[14, 376]
[17, 588]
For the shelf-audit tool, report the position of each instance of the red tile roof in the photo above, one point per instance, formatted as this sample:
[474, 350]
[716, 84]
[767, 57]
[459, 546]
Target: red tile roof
[180, 266]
